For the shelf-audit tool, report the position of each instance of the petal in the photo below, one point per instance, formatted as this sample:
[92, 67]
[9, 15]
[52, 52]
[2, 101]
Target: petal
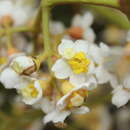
[94, 52]
[77, 79]
[76, 21]
[120, 98]
[56, 116]
[81, 46]
[89, 35]
[64, 45]
[81, 110]
[9, 78]
[102, 75]
[127, 82]
[90, 84]
[61, 69]
[46, 105]
[87, 20]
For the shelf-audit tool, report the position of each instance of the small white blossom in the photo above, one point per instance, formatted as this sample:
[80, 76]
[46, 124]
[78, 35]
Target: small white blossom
[56, 27]
[121, 92]
[30, 91]
[79, 61]
[83, 24]
[18, 12]
[72, 102]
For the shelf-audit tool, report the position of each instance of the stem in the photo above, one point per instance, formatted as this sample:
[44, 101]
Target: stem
[15, 29]
[111, 3]
[46, 34]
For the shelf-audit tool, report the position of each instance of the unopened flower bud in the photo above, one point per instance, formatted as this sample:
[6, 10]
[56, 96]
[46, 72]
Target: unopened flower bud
[23, 65]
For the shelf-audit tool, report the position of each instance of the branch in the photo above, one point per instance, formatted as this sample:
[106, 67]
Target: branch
[110, 3]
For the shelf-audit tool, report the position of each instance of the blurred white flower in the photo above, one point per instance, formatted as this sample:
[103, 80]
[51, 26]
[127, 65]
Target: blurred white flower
[81, 27]
[121, 92]
[56, 27]
[19, 13]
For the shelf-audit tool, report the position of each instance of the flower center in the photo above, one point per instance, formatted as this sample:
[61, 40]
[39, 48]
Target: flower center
[30, 91]
[79, 63]
[69, 53]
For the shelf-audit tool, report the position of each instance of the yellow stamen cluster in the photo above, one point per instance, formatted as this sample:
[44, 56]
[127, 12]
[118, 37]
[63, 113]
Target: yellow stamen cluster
[79, 63]
[30, 91]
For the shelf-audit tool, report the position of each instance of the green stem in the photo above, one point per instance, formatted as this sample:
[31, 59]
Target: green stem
[111, 3]
[46, 34]
[15, 29]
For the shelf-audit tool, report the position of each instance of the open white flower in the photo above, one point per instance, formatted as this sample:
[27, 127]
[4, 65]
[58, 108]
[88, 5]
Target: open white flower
[16, 11]
[30, 91]
[71, 102]
[81, 27]
[80, 60]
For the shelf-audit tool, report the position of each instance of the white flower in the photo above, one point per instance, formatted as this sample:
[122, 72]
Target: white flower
[30, 91]
[18, 12]
[70, 103]
[121, 92]
[56, 27]
[82, 25]
[79, 61]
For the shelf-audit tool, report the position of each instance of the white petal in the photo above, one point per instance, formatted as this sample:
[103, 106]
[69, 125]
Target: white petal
[77, 79]
[102, 75]
[87, 20]
[76, 21]
[95, 53]
[90, 83]
[61, 69]
[89, 35]
[9, 78]
[46, 105]
[64, 45]
[127, 82]
[81, 110]
[120, 98]
[56, 27]
[114, 82]
[81, 46]
[56, 116]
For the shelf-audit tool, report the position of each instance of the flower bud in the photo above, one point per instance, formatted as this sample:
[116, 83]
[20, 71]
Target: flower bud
[23, 65]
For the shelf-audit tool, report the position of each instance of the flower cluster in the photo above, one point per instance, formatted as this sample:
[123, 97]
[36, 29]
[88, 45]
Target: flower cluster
[77, 66]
